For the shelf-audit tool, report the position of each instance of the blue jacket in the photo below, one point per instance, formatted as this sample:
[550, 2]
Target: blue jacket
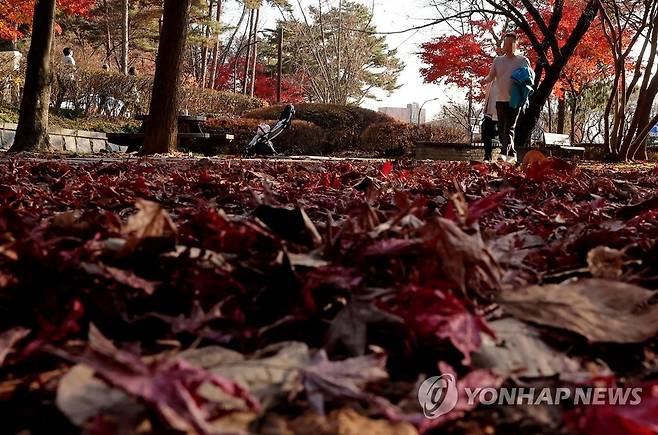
[522, 81]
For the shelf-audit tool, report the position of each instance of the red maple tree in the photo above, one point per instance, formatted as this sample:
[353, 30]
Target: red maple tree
[16, 13]
[457, 59]
[292, 90]
[591, 61]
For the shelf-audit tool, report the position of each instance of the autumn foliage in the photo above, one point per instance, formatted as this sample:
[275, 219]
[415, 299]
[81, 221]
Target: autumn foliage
[12, 14]
[17, 13]
[157, 295]
[456, 59]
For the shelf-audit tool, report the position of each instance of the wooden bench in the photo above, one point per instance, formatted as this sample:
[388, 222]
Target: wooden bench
[189, 129]
[560, 146]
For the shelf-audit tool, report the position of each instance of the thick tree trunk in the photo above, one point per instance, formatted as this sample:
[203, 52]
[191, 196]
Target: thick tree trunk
[530, 117]
[32, 130]
[162, 126]
[125, 25]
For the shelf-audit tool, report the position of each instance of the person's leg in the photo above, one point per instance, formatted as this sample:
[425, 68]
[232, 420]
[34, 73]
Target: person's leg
[512, 119]
[487, 137]
[503, 127]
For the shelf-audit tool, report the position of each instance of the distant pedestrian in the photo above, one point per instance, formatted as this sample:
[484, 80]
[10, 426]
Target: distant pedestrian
[67, 82]
[136, 96]
[68, 57]
[501, 72]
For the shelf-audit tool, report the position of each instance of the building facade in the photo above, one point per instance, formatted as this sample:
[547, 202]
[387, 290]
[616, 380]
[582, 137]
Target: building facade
[410, 114]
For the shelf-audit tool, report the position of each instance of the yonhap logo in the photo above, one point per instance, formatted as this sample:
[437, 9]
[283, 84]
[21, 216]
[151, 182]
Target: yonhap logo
[438, 396]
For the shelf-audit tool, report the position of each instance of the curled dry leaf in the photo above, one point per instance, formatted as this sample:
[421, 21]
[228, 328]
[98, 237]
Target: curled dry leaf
[326, 380]
[600, 310]
[8, 340]
[518, 351]
[170, 386]
[466, 260]
[151, 221]
[271, 374]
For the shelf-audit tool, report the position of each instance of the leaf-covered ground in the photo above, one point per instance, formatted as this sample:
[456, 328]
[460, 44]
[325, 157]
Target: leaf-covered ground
[284, 297]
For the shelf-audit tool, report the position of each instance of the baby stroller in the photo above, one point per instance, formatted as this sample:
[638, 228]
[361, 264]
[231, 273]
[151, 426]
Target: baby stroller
[261, 144]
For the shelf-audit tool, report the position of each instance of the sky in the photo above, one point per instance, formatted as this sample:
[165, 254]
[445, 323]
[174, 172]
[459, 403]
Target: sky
[395, 15]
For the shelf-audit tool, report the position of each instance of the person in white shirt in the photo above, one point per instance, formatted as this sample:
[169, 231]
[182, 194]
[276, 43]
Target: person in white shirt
[501, 72]
[66, 79]
[68, 57]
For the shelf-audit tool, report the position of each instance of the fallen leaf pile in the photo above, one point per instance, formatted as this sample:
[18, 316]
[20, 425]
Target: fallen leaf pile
[299, 297]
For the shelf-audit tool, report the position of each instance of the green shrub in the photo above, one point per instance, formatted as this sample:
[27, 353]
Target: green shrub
[445, 131]
[389, 139]
[344, 124]
[304, 138]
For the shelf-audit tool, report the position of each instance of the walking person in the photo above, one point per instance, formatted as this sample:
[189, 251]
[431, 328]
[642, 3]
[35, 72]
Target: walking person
[489, 128]
[68, 57]
[501, 73]
[66, 82]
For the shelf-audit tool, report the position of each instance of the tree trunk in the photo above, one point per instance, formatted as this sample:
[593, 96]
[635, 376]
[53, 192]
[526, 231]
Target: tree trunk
[279, 67]
[162, 126]
[530, 117]
[32, 130]
[204, 51]
[574, 109]
[254, 56]
[247, 58]
[125, 23]
[561, 115]
[108, 33]
[229, 45]
[215, 54]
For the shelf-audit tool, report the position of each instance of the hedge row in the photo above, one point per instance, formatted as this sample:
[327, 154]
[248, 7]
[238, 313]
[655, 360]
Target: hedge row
[304, 138]
[93, 92]
[125, 96]
[320, 129]
[344, 124]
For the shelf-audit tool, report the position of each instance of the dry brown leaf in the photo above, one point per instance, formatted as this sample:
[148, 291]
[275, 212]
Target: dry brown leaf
[598, 309]
[604, 262]
[346, 422]
[519, 351]
[8, 339]
[151, 220]
[466, 260]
